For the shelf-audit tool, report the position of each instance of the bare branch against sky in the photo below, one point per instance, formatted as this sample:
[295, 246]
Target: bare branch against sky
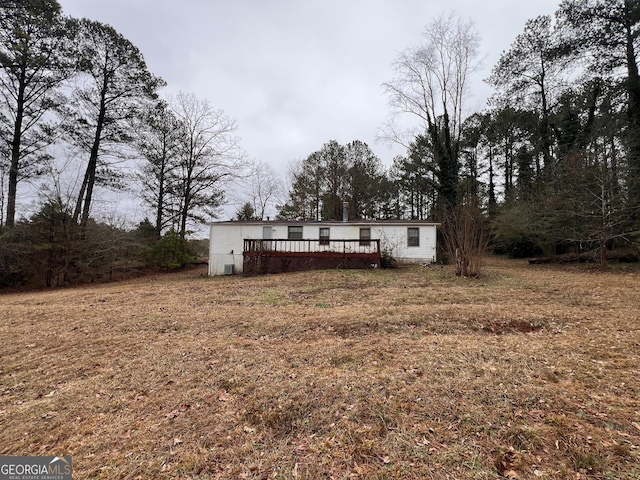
[297, 74]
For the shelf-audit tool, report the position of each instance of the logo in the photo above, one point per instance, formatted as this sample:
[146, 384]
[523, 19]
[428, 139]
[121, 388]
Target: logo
[35, 468]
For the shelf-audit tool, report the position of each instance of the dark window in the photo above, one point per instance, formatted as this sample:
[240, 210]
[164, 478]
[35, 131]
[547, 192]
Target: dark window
[295, 233]
[413, 237]
[365, 236]
[324, 236]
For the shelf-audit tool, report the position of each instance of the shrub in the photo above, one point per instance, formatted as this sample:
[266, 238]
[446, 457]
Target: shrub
[172, 251]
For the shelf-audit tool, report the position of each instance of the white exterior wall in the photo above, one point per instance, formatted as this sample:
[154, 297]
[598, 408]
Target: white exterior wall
[226, 243]
[226, 240]
[394, 239]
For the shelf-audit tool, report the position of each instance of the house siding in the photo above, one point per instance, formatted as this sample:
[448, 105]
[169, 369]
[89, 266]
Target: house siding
[226, 241]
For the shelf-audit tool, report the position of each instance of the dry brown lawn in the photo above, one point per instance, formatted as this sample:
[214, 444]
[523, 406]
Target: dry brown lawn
[528, 372]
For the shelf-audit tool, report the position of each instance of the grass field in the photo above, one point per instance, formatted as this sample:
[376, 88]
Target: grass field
[530, 372]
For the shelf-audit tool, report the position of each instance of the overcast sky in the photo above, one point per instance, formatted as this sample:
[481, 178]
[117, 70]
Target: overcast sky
[298, 73]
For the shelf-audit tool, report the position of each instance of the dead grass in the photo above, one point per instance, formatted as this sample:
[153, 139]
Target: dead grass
[530, 371]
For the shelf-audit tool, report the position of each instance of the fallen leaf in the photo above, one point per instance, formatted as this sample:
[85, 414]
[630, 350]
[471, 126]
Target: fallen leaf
[358, 469]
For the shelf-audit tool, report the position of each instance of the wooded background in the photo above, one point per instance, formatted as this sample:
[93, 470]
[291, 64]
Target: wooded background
[552, 166]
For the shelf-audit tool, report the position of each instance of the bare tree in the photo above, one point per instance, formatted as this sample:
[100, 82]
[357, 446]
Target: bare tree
[430, 85]
[431, 79]
[209, 156]
[3, 172]
[265, 188]
[158, 141]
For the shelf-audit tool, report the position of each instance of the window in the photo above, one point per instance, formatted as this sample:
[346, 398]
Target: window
[365, 235]
[324, 236]
[413, 237]
[295, 233]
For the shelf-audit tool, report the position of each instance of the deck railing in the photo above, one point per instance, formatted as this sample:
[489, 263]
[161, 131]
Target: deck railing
[280, 255]
[312, 245]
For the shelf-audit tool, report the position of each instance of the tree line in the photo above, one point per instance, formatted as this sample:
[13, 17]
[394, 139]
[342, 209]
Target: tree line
[80, 85]
[552, 165]
[79, 88]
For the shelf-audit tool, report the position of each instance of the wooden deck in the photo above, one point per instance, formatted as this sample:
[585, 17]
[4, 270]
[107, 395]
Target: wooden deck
[266, 256]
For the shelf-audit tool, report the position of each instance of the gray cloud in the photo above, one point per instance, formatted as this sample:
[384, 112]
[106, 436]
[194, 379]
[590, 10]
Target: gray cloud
[296, 74]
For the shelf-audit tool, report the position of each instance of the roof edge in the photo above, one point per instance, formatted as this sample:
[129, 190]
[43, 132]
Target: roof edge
[324, 222]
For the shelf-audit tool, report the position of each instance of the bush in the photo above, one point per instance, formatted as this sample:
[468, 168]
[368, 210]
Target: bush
[51, 250]
[172, 251]
[387, 259]
[517, 247]
[465, 238]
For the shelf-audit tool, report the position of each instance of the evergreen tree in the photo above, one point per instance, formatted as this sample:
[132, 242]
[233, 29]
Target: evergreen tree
[606, 33]
[335, 174]
[529, 74]
[114, 87]
[34, 61]
[158, 143]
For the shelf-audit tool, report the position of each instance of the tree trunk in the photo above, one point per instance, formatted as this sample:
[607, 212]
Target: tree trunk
[90, 175]
[15, 154]
[160, 210]
[492, 190]
[13, 182]
[633, 90]
[83, 188]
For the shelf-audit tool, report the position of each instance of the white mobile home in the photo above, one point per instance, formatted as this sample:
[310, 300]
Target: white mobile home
[408, 241]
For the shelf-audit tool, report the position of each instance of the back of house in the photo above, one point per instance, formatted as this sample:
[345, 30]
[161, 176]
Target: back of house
[407, 241]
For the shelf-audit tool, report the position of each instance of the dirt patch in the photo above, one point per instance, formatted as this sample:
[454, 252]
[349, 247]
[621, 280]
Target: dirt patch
[512, 326]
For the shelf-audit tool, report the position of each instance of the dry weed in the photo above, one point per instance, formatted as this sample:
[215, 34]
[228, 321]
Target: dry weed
[530, 371]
